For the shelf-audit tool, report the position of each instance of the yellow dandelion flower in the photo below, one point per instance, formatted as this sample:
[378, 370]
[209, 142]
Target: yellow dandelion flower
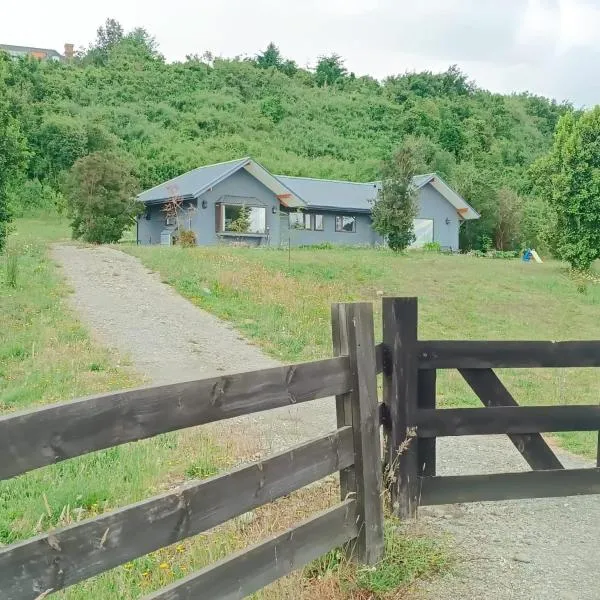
[164, 565]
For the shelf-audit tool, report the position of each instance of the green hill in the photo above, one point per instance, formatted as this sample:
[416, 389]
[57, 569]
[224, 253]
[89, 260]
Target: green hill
[171, 117]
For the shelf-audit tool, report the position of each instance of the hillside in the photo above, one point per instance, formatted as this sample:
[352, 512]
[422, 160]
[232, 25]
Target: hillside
[169, 118]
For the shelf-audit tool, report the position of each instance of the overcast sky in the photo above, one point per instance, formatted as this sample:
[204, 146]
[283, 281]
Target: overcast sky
[549, 47]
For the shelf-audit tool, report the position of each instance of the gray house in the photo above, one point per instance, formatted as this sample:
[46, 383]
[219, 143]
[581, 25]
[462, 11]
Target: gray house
[240, 201]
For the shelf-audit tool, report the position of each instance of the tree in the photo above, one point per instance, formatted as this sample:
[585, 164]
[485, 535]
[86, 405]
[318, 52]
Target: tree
[395, 208]
[271, 57]
[330, 69]
[241, 223]
[568, 177]
[13, 156]
[99, 189]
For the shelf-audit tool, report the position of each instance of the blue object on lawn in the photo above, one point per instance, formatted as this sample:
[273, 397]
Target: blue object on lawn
[527, 255]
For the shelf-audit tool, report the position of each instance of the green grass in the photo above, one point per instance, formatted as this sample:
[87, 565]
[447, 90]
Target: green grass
[46, 356]
[408, 556]
[284, 307]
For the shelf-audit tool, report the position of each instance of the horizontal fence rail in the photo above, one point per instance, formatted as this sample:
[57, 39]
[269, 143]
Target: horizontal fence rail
[248, 571]
[513, 354]
[66, 556]
[509, 486]
[505, 419]
[54, 433]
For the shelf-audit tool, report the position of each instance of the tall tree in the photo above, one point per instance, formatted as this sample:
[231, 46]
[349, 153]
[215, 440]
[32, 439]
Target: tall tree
[568, 177]
[270, 57]
[395, 208]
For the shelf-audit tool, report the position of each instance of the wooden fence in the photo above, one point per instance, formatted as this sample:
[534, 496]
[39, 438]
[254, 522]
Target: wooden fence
[412, 422]
[52, 561]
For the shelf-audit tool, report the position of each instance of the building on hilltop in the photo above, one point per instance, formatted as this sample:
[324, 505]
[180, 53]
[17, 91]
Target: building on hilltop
[41, 53]
[241, 201]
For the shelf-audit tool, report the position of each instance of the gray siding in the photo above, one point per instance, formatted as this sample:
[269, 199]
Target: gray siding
[432, 205]
[363, 236]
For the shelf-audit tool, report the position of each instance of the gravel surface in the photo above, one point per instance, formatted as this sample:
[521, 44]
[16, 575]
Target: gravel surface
[529, 549]
[168, 339]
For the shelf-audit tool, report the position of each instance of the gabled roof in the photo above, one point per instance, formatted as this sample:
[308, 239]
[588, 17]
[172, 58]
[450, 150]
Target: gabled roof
[332, 194]
[296, 191]
[29, 50]
[194, 183]
[358, 197]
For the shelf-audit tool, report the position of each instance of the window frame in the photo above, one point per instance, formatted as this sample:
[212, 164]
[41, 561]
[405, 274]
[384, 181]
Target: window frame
[322, 227]
[340, 219]
[221, 208]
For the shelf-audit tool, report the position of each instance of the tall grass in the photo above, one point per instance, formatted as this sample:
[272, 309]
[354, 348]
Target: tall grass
[12, 269]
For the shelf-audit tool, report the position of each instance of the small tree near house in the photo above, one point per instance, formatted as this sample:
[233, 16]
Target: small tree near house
[100, 191]
[176, 211]
[395, 208]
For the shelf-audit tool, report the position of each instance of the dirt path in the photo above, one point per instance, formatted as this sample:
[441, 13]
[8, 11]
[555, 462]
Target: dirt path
[507, 550]
[168, 339]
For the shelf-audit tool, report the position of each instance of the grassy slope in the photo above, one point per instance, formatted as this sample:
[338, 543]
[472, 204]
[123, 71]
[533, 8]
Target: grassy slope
[284, 306]
[47, 356]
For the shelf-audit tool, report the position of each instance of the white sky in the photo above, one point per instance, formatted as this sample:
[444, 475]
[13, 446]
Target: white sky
[549, 47]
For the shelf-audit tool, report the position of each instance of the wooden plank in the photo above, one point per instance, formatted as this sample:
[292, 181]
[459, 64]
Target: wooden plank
[598, 451]
[491, 392]
[509, 419]
[490, 355]
[63, 557]
[365, 426]
[50, 434]
[400, 396]
[509, 486]
[426, 446]
[343, 402]
[379, 357]
[248, 571]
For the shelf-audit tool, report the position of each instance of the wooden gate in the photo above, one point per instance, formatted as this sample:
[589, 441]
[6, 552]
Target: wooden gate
[412, 422]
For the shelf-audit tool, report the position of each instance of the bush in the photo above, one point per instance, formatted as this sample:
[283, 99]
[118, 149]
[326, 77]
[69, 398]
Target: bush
[187, 238]
[432, 247]
[99, 190]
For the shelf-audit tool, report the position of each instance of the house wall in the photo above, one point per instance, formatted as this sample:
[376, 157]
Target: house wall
[432, 205]
[363, 236]
[239, 188]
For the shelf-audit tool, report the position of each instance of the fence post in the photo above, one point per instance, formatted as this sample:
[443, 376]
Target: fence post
[400, 384]
[353, 335]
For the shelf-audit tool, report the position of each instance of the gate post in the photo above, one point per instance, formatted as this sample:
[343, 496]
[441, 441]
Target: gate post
[353, 335]
[400, 388]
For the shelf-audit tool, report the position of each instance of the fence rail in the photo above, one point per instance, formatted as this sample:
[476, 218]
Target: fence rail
[412, 421]
[60, 558]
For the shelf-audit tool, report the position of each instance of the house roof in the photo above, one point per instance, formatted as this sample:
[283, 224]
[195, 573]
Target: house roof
[194, 183]
[29, 50]
[296, 191]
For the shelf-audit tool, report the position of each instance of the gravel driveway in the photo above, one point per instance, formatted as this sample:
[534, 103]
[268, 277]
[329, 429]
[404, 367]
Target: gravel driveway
[530, 549]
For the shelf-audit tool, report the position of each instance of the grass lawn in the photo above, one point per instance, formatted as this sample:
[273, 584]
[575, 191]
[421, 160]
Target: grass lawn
[46, 356]
[284, 307]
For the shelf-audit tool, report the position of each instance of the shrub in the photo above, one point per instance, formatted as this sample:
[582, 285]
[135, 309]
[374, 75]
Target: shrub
[99, 190]
[432, 247]
[187, 238]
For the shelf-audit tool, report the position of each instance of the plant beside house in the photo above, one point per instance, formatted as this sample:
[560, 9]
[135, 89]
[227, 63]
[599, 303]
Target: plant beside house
[395, 207]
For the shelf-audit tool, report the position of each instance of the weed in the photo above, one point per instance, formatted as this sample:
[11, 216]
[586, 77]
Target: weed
[12, 269]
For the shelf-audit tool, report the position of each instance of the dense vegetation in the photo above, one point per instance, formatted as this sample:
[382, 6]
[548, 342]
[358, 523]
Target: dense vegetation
[165, 118]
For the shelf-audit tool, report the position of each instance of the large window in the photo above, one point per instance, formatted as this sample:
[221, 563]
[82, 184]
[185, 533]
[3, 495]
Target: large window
[318, 222]
[300, 220]
[345, 224]
[240, 218]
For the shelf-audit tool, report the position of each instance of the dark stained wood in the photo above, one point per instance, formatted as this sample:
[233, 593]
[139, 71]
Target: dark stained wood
[490, 355]
[379, 357]
[343, 402]
[426, 446]
[509, 419]
[491, 392]
[66, 556]
[400, 396]
[365, 427]
[598, 451]
[509, 486]
[50, 434]
[246, 572]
